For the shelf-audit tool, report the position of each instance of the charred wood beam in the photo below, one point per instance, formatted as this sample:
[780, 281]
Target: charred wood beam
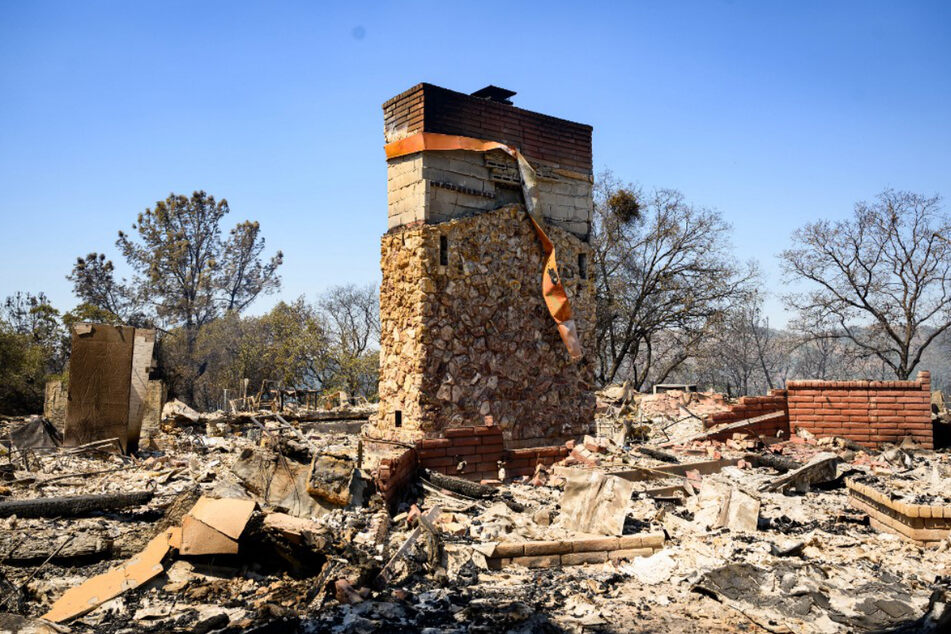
[458, 485]
[73, 505]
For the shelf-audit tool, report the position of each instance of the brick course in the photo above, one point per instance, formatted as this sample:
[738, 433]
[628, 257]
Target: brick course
[751, 407]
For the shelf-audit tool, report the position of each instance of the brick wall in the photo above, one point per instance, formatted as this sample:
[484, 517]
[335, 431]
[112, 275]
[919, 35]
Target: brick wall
[867, 412]
[522, 462]
[429, 108]
[479, 447]
[751, 407]
[395, 473]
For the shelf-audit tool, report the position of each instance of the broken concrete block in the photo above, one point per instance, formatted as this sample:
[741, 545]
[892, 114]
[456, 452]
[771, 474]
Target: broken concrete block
[595, 503]
[177, 411]
[330, 477]
[721, 505]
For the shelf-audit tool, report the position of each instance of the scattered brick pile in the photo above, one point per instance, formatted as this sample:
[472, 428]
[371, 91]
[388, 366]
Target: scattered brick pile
[751, 407]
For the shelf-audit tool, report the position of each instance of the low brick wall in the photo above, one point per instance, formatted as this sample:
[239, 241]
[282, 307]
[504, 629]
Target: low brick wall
[921, 523]
[523, 462]
[394, 473]
[478, 449]
[867, 412]
[751, 407]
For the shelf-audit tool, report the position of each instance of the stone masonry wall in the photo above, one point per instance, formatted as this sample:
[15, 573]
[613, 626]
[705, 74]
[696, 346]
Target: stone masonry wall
[472, 338]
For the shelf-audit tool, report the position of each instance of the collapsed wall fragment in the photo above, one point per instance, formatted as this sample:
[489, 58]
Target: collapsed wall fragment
[109, 393]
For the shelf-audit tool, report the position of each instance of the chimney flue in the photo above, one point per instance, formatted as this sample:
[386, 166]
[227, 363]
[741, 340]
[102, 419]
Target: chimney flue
[494, 93]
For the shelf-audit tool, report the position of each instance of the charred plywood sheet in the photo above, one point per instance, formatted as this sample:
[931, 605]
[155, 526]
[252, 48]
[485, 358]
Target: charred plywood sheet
[100, 374]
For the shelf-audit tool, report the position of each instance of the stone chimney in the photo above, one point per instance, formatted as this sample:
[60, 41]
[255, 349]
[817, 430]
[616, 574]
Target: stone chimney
[466, 335]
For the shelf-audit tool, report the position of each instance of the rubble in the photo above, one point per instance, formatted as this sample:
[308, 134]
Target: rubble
[667, 534]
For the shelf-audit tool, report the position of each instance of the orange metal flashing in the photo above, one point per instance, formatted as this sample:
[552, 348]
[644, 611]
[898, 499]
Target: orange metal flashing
[553, 291]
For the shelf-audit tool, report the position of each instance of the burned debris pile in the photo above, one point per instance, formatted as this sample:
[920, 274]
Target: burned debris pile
[274, 525]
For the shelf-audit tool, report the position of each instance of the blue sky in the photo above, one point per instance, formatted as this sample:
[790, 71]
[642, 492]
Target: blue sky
[775, 113]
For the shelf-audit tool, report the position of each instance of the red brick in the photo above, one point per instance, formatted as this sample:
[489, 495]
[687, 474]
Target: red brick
[464, 450]
[440, 462]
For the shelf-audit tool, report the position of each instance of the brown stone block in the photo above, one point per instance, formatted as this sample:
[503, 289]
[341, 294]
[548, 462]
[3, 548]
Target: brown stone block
[540, 561]
[509, 549]
[641, 540]
[629, 553]
[594, 544]
[547, 548]
[591, 557]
